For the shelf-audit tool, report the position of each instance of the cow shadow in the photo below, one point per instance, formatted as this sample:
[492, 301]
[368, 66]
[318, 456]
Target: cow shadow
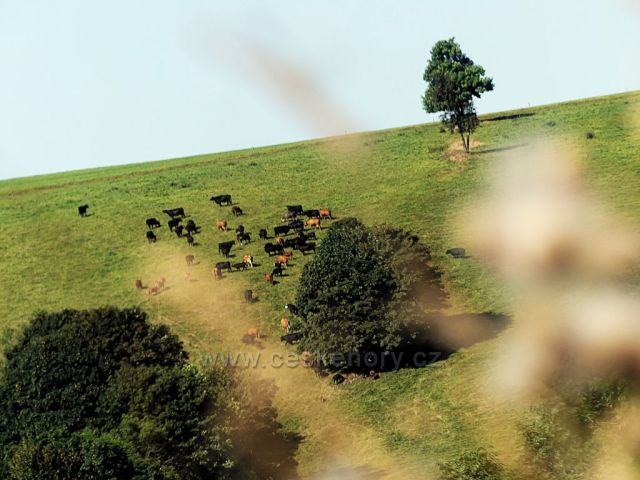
[513, 116]
[261, 446]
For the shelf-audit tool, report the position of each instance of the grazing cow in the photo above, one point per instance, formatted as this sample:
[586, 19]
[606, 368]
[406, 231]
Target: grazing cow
[284, 324]
[191, 227]
[226, 246]
[295, 209]
[152, 291]
[221, 225]
[254, 332]
[306, 236]
[240, 266]
[151, 237]
[152, 223]
[309, 247]
[325, 213]
[291, 338]
[282, 260]
[175, 212]
[224, 266]
[226, 251]
[82, 210]
[263, 234]
[277, 270]
[248, 259]
[160, 283]
[338, 379]
[217, 273]
[173, 223]
[288, 217]
[271, 249]
[190, 259]
[456, 252]
[236, 211]
[311, 213]
[292, 308]
[179, 230]
[222, 199]
[268, 278]
[138, 284]
[292, 243]
[248, 296]
[190, 240]
[281, 230]
[243, 238]
[297, 225]
[314, 223]
[280, 241]
[240, 229]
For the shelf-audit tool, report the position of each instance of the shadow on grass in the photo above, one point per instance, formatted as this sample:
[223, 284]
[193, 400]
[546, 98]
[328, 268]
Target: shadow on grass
[261, 445]
[514, 116]
[499, 149]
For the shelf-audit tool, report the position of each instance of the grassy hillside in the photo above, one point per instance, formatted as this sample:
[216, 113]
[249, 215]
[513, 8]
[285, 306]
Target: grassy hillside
[394, 427]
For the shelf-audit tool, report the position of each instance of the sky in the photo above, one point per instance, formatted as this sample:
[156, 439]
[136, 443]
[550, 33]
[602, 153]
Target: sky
[86, 83]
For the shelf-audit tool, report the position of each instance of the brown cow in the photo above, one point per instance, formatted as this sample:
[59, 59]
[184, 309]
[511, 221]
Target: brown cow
[279, 240]
[217, 273]
[282, 260]
[152, 291]
[254, 332]
[284, 324]
[248, 260]
[139, 284]
[221, 225]
[325, 213]
[268, 278]
[314, 222]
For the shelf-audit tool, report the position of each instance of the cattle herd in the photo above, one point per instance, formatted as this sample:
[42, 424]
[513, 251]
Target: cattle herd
[295, 232]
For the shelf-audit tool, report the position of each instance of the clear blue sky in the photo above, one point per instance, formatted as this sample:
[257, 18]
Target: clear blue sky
[86, 83]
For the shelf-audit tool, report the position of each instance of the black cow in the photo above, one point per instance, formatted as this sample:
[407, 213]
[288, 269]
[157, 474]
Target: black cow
[240, 266]
[175, 212]
[271, 249]
[226, 245]
[263, 234]
[456, 252]
[151, 237]
[281, 230]
[190, 240]
[173, 223]
[223, 266]
[243, 238]
[236, 211]
[338, 379]
[307, 247]
[292, 243]
[190, 259]
[306, 236]
[153, 223]
[295, 209]
[312, 213]
[179, 230]
[222, 199]
[240, 229]
[292, 308]
[248, 296]
[191, 227]
[82, 210]
[297, 225]
[291, 338]
[277, 270]
[226, 251]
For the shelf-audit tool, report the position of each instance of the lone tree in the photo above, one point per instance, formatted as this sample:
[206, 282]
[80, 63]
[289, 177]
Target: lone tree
[453, 80]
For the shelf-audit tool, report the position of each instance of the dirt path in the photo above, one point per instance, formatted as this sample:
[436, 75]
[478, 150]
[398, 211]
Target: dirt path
[212, 317]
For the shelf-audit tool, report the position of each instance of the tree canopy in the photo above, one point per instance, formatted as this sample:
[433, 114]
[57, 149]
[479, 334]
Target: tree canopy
[103, 394]
[352, 297]
[453, 83]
